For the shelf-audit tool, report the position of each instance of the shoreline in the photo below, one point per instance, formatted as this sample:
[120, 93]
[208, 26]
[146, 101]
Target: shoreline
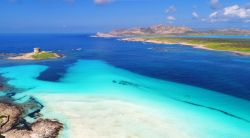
[101, 106]
[22, 118]
[14, 124]
[199, 46]
[90, 110]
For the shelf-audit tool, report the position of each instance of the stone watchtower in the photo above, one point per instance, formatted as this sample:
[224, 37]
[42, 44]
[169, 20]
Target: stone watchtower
[37, 50]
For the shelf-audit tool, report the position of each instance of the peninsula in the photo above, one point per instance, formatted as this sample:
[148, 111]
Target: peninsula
[37, 54]
[238, 46]
[186, 36]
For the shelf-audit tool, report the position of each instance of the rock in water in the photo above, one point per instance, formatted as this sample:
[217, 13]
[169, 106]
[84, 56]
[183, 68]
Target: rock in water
[12, 115]
[9, 116]
[46, 128]
[42, 128]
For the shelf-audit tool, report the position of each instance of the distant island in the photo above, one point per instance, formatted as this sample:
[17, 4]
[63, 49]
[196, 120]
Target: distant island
[162, 30]
[37, 54]
[161, 34]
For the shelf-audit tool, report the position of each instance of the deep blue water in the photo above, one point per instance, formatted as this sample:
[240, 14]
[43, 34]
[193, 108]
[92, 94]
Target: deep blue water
[220, 71]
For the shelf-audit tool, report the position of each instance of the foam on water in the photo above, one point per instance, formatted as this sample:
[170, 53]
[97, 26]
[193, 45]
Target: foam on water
[95, 99]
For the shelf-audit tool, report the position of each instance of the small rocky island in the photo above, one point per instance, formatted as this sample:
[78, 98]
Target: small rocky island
[37, 54]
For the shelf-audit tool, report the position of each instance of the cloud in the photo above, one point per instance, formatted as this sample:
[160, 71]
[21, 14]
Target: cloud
[102, 2]
[214, 4]
[214, 14]
[237, 11]
[171, 18]
[195, 15]
[231, 13]
[171, 9]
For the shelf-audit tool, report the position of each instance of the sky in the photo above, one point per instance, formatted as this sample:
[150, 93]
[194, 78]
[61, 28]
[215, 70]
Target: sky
[89, 16]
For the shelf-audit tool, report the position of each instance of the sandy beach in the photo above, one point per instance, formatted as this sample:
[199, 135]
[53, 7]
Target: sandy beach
[180, 43]
[95, 117]
[26, 56]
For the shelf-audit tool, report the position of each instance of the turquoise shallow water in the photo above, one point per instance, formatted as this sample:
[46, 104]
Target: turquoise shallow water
[201, 112]
[219, 71]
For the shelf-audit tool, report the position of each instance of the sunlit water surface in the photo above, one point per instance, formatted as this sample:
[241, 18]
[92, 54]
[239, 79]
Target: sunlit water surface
[109, 88]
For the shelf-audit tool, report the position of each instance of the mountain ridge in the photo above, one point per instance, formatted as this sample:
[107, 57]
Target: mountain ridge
[170, 30]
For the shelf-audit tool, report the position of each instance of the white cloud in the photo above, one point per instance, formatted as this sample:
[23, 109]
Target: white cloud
[195, 15]
[214, 14]
[231, 13]
[171, 18]
[237, 11]
[171, 9]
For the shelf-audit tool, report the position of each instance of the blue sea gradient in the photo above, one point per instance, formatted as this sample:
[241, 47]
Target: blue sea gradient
[224, 72]
[206, 93]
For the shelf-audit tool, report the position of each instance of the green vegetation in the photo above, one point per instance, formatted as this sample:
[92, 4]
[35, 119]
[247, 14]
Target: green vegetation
[236, 45]
[44, 55]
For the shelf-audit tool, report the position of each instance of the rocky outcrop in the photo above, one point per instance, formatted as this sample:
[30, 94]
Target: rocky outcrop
[13, 125]
[43, 128]
[46, 128]
[10, 116]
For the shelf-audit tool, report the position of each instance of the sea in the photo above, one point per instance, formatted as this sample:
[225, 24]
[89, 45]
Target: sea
[105, 87]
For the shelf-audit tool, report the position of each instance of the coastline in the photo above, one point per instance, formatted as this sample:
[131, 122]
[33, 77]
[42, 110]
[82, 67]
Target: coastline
[102, 104]
[101, 116]
[146, 40]
[14, 124]
[22, 118]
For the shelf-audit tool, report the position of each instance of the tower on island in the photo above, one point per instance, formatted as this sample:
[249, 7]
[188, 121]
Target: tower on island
[37, 50]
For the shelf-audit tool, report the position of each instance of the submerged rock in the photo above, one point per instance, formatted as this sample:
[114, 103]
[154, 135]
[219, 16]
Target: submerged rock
[42, 128]
[9, 116]
[12, 117]
[17, 134]
[46, 128]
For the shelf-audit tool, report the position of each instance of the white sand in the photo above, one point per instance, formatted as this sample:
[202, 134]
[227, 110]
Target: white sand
[91, 105]
[99, 117]
[200, 46]
[26, 56]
